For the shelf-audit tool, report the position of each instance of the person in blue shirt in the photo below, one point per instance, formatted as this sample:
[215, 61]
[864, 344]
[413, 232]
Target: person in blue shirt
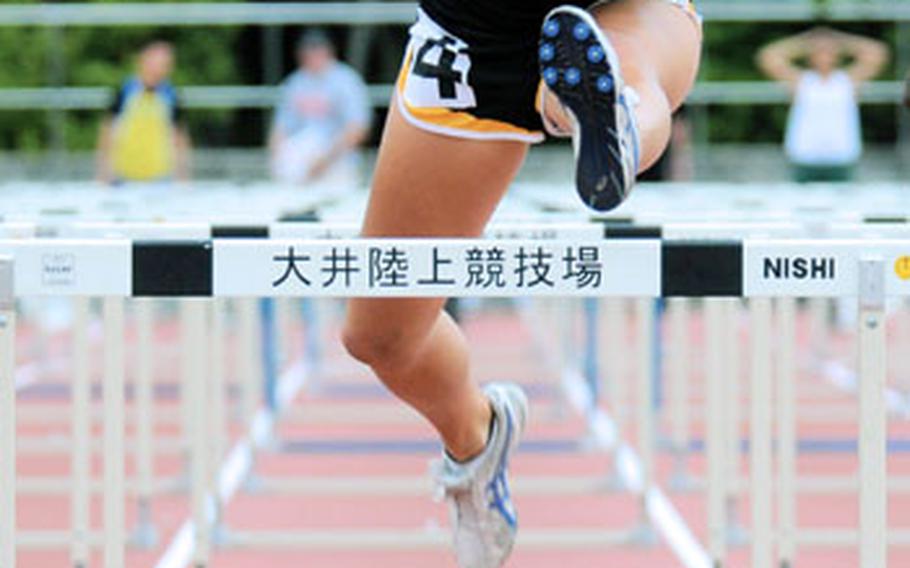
[143, 138]
[322, 117]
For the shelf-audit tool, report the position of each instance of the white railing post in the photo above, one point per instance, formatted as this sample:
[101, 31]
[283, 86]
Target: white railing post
[81, 458]
[873, 492]
[114, 428]
[760, 446]
[7, 415]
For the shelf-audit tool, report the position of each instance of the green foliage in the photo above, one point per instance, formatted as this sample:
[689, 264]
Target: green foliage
[103, 56]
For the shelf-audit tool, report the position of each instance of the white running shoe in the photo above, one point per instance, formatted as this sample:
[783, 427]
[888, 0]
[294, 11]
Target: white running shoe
[482, 515]
[579, 65]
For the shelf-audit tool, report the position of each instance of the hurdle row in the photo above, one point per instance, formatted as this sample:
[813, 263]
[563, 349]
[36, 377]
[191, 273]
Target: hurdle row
[159, 231]
[653, 204]
[648, 269]
[723, 202]
[545, 233]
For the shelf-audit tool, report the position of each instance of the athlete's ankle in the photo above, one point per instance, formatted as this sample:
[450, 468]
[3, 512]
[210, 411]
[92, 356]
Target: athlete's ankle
[474, 442]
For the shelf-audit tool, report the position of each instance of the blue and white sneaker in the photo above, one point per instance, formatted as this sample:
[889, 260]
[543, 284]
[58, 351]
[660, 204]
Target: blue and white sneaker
[579, 65]
[481, 511]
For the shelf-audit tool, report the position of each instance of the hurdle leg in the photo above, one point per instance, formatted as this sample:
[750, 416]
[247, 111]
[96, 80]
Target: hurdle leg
[268, 350]
[80, 459]
[187, 350]
[733, 416]
[715, 438]
[760, 447]
[312, 328]
[249, 381]
[196, 311]
[873, 416]
[647, 431]
[678, 388]
[284, 310]
[615, 359]
[786, 425]
[144, 534]
[818, 329]
[247, 351]
[565, 320]
[591, 355]
[7, 415]
[217, 424]
[901, 357]
[114, 446]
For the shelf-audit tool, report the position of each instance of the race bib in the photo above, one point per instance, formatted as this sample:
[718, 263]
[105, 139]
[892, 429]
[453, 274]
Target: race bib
[439, 65]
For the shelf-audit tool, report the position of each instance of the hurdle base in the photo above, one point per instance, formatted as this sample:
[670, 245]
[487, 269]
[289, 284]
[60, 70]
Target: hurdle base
[737, 535]
[144, 536]
[253, 484]
[643, 535]
[683, 482]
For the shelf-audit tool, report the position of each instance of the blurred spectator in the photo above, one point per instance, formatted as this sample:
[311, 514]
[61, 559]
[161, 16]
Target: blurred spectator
[907, 91]
[142, 138]
[824, 137]
[322, 117]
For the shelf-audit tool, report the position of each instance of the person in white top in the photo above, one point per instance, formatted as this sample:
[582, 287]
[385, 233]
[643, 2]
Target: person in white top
[823, 68]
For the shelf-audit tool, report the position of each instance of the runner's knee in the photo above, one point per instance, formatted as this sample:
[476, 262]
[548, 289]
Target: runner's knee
[379, 345]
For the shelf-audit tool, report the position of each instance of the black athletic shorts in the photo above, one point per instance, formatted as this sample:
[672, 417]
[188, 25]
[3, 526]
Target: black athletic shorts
[470, 69]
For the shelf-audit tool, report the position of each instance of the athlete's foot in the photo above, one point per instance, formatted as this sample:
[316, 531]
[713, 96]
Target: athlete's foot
[579, 65]
[482, 515]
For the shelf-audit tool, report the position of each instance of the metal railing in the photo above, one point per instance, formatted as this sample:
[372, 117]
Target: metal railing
[259, 96]
[373, 13]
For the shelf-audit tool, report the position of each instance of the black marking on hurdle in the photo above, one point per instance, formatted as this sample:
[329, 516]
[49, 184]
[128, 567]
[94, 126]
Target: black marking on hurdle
[701, 269]
[240, 232]
[613, 220]
[885, 220]
[172, 269]
[305, 216]
[612, 231]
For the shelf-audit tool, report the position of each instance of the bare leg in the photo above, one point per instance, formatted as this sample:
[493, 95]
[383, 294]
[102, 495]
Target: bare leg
[411, 344]
[659, 45]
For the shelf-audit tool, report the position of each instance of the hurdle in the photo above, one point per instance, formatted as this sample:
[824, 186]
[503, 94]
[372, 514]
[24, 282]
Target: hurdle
[651, 269]
[727, 452]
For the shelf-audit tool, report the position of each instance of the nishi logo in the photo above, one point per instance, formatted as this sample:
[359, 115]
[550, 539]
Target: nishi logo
[902, 268]
[58, 269]
[800, 268]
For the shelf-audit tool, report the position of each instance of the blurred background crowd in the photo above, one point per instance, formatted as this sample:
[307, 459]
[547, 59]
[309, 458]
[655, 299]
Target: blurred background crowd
[810, 90]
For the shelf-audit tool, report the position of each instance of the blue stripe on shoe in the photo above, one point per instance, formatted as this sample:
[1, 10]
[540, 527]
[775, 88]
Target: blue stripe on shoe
[498, 487]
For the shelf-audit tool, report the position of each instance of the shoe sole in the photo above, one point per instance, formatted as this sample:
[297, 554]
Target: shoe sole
[580, 66]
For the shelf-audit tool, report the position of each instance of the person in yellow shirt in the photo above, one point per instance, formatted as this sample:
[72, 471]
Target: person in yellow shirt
[143, 139]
